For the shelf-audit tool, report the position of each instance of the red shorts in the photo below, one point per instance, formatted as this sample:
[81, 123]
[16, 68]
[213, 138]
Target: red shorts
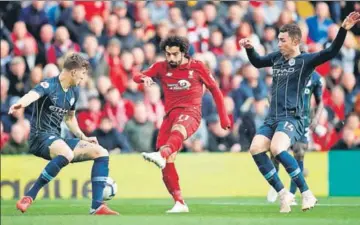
[188, 118]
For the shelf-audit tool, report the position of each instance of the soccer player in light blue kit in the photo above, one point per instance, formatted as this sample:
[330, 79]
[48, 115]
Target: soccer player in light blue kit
[54, 101]
[285, 124]
[313, 88]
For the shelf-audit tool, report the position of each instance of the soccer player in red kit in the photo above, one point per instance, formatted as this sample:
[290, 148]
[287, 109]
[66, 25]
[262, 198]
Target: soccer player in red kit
[182, 80]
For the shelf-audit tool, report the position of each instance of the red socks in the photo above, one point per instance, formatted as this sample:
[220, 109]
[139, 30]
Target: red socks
[174, 144]
[171, 180]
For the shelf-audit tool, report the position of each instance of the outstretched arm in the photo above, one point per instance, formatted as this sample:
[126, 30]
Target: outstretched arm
[23, 102]
[254, 58]
[72, 124]
[146, 76]
[330, 52]
[210, 83]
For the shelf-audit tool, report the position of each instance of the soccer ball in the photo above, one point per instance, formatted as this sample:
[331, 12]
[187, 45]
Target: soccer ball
[110, 189]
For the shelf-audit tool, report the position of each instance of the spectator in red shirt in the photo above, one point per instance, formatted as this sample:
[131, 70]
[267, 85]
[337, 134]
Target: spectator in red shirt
[119, 110]
[89, 120]
[46, 39]
[95, 8]
[337, 104]
[216, 42]
[225, 76]
[18, 36]
[199, 33]
[144, 19]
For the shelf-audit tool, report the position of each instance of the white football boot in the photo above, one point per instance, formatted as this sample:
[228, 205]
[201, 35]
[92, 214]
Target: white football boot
[272, 195]
[179, 208]
[286, 198]
[308, 200]
[155, 157]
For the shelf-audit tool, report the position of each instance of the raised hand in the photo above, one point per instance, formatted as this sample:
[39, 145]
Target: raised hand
[246, 43]
[351, 20]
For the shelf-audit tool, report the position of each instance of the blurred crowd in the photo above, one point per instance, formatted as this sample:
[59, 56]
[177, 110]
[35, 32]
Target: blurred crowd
[122, 38]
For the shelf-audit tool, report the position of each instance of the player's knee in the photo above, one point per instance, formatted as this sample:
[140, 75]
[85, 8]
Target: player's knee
[256, 149]
[98, 152]
[69, 155]
[275, 149]
[101, 152]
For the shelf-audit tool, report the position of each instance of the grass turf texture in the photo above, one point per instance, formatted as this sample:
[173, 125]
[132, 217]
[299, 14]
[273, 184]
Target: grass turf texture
[244, 211]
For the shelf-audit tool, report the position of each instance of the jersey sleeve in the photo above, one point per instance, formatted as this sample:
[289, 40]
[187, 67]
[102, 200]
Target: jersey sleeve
[206, 77]
[261, 61]
[43, 88]
[318, 90]
[319, 58]
[76, 97]
[152, 71]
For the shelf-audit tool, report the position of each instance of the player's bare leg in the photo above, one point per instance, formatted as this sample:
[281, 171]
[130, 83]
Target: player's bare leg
[61, 155]
[258, 148]
[165, 159]
[88, 151]
[279, 145]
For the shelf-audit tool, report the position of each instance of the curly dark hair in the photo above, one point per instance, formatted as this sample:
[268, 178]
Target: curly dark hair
[176, 41]
[293, 30]
[76, 61]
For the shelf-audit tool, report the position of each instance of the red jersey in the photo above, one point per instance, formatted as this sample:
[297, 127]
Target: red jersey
[182, 86]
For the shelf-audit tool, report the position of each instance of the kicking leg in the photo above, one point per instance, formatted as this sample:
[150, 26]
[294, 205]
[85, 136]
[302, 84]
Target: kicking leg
[87, 151]
[61, 155]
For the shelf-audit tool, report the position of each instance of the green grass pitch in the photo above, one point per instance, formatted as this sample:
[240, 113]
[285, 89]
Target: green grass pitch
[222, 211]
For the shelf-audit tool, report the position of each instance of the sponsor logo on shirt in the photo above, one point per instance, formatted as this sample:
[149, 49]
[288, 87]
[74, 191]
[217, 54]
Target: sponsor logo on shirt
[168, 74]
[58, 111]
[283, 72]
[180, 85]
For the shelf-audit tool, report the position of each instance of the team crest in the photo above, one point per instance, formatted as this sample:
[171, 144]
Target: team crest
[44, 84]
[72, 101]
[292, 62]
[168, 74]
[191, 74]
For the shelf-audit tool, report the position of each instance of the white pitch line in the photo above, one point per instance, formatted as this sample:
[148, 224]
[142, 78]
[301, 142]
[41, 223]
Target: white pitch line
[264, 204]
